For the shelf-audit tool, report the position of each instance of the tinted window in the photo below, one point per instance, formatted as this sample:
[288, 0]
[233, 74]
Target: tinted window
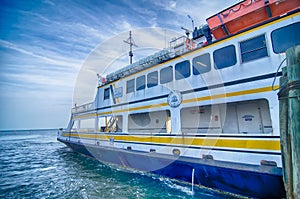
[182, 70]
[224, 57]
[201, 64]
[254, 48]
[166, 75]
[152, 79]
[140, 83]
[106, 93]
[130, 86]
[285, 37]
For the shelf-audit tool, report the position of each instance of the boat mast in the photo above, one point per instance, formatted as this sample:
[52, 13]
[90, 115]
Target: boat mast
[131, 43]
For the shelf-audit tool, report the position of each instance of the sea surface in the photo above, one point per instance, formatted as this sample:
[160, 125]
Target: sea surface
[33, 164]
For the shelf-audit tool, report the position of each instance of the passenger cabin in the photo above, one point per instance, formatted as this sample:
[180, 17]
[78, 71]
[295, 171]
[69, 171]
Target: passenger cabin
[221, 86]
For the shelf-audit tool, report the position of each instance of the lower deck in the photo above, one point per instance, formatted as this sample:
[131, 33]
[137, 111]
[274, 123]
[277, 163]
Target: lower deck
[244, 117]
[237, 132]
[264, 181]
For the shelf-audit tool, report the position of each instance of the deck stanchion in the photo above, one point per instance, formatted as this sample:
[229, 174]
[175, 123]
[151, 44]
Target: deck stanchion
[289, 96]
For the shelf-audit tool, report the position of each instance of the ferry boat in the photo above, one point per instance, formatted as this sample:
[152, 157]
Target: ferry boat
[205, 110]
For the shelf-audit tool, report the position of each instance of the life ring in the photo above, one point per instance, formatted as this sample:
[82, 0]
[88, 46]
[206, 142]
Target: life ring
[189, 44]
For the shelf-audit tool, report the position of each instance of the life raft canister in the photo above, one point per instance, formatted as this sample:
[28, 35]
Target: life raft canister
[189, 43]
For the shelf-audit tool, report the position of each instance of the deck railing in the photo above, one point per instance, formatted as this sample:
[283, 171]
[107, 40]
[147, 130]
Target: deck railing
[83, 108]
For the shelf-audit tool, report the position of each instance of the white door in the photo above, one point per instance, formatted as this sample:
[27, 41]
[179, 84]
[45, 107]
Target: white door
[249, 118]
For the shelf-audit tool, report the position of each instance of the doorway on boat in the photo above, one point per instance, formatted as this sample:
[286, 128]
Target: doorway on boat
[111, 123]
[150, 122]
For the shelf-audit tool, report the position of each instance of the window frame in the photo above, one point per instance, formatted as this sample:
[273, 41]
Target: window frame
[276, 49]
[137, 82]
[178, 73]
[150, 84]
[164, 80]
[254, 50]
[227, 64]
[132, 87]
[197, 72]
[106, 93]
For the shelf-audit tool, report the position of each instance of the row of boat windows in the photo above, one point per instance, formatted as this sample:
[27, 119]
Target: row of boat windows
[251, 49]
[223, 57]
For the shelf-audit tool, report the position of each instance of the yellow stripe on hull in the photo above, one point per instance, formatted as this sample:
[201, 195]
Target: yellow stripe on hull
[239, 143]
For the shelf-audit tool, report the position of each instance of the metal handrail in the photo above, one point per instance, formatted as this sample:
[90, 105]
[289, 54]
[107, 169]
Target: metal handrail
[83, 108]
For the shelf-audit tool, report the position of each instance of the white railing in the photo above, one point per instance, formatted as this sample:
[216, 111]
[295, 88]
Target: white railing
[178, 46]
[83, 108]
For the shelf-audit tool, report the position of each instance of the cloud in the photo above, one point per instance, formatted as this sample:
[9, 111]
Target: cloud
[176, 12]
[49, 2]
[12, 46]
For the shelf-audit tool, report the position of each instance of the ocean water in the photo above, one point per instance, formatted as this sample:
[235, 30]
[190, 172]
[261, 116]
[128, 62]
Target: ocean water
[34, 165]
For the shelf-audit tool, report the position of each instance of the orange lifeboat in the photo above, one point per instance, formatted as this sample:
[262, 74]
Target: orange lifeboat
[248, 13]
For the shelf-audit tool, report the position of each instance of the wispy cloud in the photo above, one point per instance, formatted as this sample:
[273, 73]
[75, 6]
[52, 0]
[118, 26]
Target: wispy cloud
[12, 46]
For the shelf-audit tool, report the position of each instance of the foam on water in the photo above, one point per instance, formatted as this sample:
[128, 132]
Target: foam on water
[173, 185]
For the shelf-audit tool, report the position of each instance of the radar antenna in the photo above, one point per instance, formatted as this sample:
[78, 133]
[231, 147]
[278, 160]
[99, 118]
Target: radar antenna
[131, 43]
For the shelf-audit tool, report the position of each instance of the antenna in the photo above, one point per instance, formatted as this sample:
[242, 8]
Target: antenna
[131, 43]
[192, 21]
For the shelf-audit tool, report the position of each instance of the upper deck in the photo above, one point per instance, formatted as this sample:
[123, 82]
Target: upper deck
[249, 56]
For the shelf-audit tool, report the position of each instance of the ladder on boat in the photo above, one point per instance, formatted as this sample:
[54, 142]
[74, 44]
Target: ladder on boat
[111, 124]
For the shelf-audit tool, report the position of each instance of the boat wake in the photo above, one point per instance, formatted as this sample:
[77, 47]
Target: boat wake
[182, 188]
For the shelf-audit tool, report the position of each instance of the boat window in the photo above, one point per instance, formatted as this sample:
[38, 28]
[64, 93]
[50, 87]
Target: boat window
[140, 119]
[130, 86]
[285, 37]
[87, 125]
[201, 64]
[140, 83]
[182, 70]
[106, 93]
[254, 48]
[166, 75]
[152, 79]
[75, 126]
[224, 57]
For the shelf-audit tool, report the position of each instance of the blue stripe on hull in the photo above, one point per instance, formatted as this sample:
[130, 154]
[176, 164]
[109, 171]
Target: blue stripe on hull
[268, 184]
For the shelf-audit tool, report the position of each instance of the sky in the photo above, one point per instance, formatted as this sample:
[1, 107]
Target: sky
[51, 50]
